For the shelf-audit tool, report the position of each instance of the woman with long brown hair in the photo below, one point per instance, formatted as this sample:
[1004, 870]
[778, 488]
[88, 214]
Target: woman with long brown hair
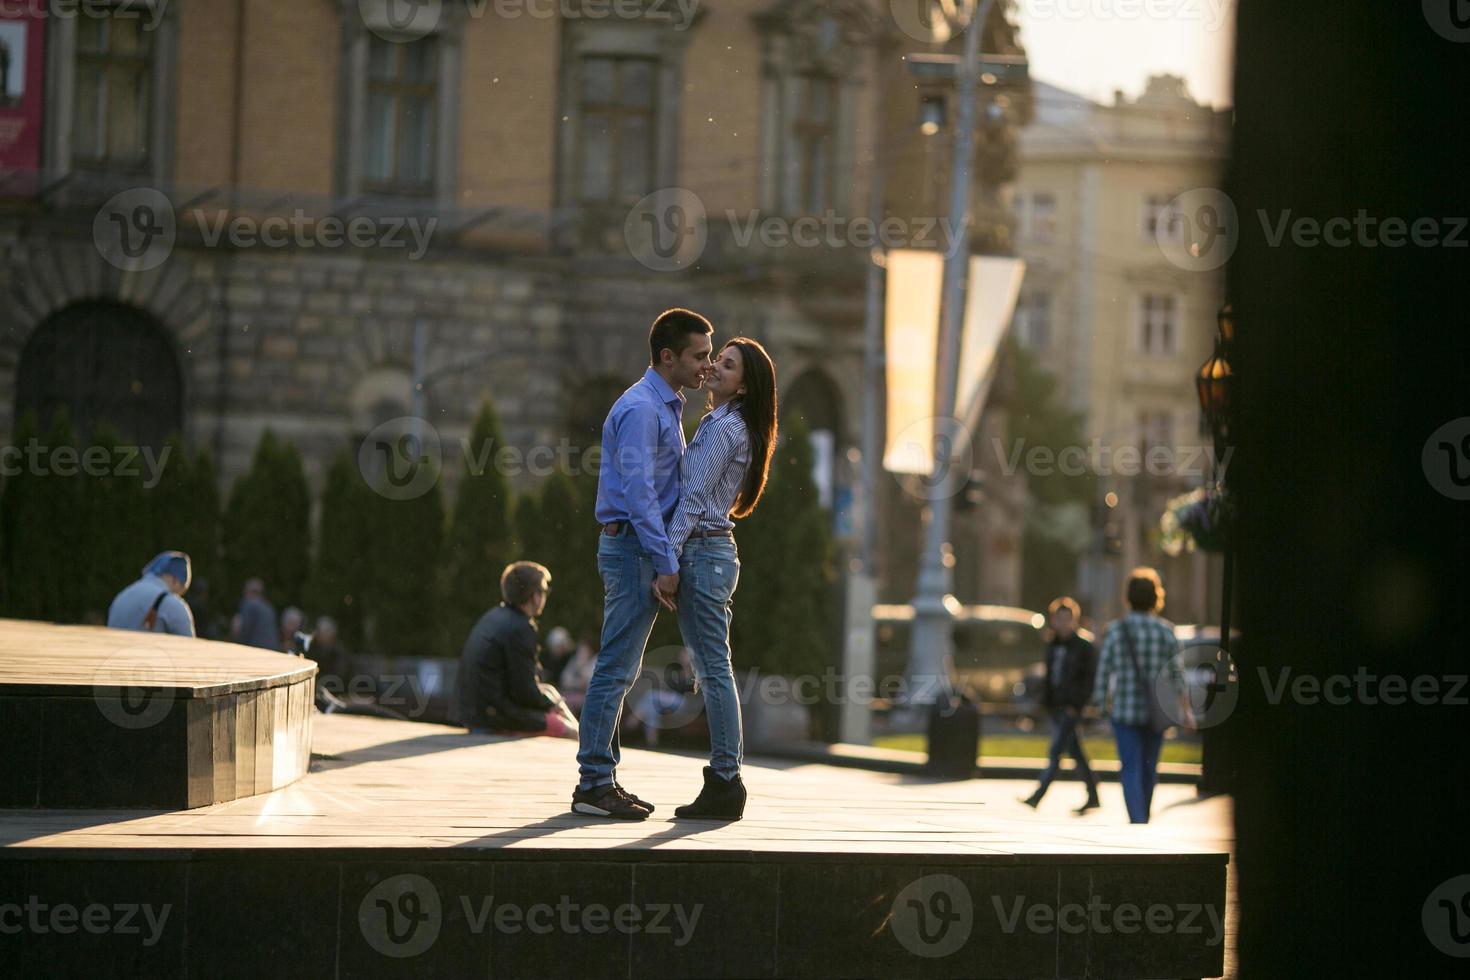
[722, 476]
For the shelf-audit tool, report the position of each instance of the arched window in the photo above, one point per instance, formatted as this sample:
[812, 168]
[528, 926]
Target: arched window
[106, 364]
[815, 398]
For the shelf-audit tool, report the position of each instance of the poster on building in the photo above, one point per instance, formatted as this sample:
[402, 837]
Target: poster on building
[22, 91]
[911, 318]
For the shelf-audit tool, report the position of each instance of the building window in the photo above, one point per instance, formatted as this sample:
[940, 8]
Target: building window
[1033, 321]
[398, 119]
[814, 139]
[1155, 429]
[1158, 324]
[1161, 220]
[814, 58]
[402, 90]
[1038, 215]
[112, 93]
[617, 106]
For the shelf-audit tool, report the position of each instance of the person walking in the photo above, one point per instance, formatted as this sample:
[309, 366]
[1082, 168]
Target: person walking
[1138, 650]
[1071, 667]
[723, 476]
[154, 603]
[637, 491]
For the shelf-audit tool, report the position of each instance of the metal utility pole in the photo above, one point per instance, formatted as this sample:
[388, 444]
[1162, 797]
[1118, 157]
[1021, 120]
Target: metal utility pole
[931, 635]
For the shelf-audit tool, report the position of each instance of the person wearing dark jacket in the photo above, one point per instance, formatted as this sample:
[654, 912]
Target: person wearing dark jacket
[499, 687]
[1071, 668]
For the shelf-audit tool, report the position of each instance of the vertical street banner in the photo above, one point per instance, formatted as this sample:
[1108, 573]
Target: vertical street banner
[22, 91]
[911, 334]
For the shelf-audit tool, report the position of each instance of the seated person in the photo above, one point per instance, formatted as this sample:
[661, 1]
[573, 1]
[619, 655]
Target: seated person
[154, 603]
[578, 674]
[499, 686]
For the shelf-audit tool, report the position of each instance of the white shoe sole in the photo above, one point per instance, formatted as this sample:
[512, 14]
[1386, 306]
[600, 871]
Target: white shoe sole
[596, 811]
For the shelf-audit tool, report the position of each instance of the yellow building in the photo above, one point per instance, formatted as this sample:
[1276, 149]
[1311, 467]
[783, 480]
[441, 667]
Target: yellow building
[1110, 308]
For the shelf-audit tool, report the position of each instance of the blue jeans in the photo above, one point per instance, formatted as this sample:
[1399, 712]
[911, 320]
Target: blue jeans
[1064, 740]
[628, 612]
[708, 573]
[1138, 752]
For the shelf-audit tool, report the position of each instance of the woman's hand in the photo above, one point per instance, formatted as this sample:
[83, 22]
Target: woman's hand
[666, 590]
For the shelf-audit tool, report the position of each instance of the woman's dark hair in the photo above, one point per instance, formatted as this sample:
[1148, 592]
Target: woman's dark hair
[1145, 590]
[672, 330]
[758, 408]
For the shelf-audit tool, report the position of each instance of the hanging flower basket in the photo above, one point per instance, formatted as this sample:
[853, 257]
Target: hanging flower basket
[1201, 519]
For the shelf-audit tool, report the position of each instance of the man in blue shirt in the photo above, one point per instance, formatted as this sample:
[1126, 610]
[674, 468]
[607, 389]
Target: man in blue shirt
[637, 491]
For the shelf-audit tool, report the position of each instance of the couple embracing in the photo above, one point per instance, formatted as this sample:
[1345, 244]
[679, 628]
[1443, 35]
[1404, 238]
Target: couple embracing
[667, 541]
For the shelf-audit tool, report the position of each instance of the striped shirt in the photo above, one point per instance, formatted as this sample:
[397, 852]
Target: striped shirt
[1155, 648]
[711, 475]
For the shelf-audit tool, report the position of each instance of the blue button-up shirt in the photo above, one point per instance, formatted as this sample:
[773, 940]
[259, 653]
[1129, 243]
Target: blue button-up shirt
[642, 444]
[712, 474]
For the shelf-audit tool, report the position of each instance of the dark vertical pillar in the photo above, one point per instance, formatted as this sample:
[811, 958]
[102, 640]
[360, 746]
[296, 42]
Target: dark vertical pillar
[1353, 552]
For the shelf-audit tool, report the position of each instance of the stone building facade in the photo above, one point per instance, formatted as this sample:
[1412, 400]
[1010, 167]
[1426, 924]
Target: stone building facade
[1120, 312]
[185, 259]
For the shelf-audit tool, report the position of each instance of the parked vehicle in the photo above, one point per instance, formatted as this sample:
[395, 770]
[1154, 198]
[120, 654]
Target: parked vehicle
[994, 648]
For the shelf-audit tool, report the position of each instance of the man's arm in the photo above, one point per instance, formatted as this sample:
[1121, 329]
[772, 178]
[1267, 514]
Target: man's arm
[520, 670]
[636, 454]
[1089, 668]
[1105, 668]
[176, 616]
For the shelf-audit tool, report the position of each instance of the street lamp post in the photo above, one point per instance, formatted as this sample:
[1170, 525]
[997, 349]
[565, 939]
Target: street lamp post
[1215, 382]
[931, 634]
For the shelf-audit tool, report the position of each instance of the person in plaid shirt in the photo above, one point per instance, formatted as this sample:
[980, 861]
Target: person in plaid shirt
[1154, 648]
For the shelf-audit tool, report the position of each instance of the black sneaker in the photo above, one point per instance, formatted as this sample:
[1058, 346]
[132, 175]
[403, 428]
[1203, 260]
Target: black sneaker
[643, 803]
[607, 801]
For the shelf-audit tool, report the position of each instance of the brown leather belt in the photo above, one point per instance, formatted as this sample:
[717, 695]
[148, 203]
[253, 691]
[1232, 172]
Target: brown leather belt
[616, 527]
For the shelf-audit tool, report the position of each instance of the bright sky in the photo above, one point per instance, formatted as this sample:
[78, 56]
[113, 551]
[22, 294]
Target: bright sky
[1095, 46]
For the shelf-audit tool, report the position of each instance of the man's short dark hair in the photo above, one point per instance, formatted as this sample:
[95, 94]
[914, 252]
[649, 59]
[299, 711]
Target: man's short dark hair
[673, 329]
[521, 580]
[1145, 591]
